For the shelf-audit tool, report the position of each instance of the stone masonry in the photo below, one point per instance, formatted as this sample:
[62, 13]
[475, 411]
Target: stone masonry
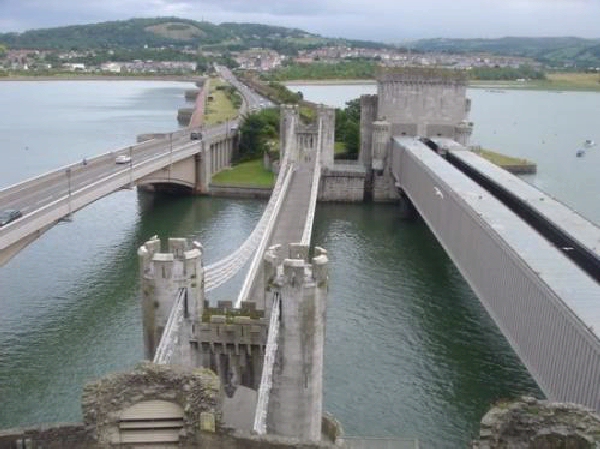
[195, 391]
[410, 101]
[535, 424]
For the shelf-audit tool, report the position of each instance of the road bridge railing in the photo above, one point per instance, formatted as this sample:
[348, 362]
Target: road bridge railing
[47, 179]
[77, 199]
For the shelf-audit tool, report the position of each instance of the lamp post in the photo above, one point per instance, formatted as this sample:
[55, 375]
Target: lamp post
[68, 172]
[170, 154]
[130, 167]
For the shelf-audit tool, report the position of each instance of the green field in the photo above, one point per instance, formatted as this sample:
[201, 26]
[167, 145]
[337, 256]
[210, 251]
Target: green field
[554, 81]
[501, 159]
[246, 174]
[220, 108]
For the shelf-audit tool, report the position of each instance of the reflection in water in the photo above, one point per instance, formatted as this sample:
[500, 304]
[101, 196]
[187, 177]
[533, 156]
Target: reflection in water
[410, 350]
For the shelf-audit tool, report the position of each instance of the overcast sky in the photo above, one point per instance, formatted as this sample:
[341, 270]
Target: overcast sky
[379, 20]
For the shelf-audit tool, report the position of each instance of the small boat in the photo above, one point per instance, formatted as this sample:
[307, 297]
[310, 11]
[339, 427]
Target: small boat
[589, 143]
[580, 153]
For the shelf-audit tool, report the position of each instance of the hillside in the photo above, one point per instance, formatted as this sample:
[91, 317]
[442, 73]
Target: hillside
[171, 32]
[554, 51]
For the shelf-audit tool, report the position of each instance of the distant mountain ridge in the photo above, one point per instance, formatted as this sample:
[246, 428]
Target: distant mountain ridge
[172, 31]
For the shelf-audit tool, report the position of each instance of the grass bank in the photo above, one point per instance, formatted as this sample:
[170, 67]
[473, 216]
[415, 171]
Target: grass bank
[554, 82]
[512, 164]
[246, 174]
[219, 108]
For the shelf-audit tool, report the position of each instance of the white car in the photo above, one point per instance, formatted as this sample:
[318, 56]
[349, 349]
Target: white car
[123, 159]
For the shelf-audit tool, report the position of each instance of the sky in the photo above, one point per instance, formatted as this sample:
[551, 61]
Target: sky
[379, 20]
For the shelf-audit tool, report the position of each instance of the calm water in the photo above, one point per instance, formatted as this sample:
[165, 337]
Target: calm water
[546, 127]
[409, 349]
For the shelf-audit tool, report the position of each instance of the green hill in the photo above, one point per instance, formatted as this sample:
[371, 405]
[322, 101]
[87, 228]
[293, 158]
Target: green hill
[171, 32]
[554, 51]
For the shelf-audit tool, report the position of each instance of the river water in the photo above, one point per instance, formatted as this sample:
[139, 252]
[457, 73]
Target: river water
[409, 351]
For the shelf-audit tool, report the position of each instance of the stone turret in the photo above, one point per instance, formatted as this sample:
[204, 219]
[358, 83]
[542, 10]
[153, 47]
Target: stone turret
[368, 114]
[162, 275]
[288, 120]
[380, 144]
[326, 117]
[462, 132]
[296, 399]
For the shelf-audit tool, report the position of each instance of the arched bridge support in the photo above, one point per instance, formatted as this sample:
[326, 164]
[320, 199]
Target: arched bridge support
[195, 173]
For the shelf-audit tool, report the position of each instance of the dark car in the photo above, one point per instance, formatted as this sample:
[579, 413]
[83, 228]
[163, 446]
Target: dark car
[8, 216]
[196, 136]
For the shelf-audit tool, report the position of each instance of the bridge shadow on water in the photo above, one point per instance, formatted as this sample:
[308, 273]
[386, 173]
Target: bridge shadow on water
[410, 350]
[69, 309]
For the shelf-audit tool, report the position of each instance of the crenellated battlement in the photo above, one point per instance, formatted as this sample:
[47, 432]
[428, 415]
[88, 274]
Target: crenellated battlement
[163, 274]
[422, 75]
[302, 137]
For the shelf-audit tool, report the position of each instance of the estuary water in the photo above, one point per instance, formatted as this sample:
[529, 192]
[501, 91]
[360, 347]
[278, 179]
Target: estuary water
[409, 352]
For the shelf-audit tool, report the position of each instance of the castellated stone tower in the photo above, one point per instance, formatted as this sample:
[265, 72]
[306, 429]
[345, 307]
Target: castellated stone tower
[296, 399]
[307, 136]
[422, 101]
[410, 101]
[162, 275]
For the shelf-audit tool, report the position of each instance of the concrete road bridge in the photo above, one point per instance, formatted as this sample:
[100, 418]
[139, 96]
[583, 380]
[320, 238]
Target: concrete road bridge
[164, 160]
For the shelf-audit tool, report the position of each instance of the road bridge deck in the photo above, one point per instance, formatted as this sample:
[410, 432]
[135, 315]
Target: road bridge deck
[545, 305]
[291, 220]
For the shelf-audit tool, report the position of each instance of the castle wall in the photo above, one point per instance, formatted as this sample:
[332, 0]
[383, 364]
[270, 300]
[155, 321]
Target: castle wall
[422, 96]
[343, 184]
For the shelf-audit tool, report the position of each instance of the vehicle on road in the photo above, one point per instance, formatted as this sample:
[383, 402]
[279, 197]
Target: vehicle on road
[9, 216]
[195, 136]
[123, 159]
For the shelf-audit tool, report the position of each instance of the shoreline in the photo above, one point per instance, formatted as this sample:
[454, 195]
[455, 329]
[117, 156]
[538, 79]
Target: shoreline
[556, 86]
[68, 77]
[473, 84]
[329, 82]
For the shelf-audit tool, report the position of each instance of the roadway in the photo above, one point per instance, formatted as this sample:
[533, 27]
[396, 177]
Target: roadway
[254, 101]
[38, 195]
[39, 192]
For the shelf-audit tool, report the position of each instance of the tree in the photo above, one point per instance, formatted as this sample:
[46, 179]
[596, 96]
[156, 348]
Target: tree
[255, 131]
[347, 127]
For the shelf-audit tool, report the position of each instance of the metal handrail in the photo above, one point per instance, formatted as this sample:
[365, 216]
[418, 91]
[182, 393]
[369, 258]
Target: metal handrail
[169, 338]
[310, 215]
[266, 382]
